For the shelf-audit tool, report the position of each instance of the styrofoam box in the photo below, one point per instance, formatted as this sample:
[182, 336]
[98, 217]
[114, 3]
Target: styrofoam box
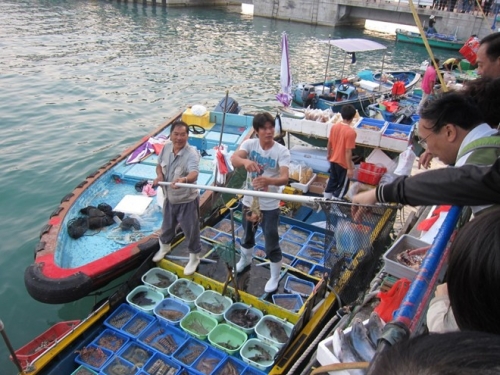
[369, 136]
[314, 128]
[392, 143]
[369, 85]
[392, 266]
[316, 158]
[377, 156]
[303, 187]
[291, 124]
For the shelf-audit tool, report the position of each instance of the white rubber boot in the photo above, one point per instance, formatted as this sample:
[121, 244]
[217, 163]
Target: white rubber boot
[245, 259]
[194, 261]
[164, 250]
[272, 284]
[327, 195]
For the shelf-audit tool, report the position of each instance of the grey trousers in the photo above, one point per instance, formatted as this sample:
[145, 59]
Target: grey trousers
[187, 216]
[269, 225]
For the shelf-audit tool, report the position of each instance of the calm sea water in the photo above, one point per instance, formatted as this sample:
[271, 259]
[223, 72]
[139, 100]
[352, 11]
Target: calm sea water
[81, 80]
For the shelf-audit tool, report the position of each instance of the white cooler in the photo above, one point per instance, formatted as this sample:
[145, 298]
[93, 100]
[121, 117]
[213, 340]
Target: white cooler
[313, 157]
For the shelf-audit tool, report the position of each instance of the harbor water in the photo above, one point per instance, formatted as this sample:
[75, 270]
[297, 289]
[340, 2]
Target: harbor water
[82, 80]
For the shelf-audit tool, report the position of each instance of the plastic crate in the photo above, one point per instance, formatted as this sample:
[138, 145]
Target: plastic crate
[313, 253]
[163, 337]
[93, 357]
[149, 294]
[392, 266]
[185, 291]
[171, 311]
[368, 131]
[136, 353]
[253, 371]
[213, 304]
[302, 265]
[243, 308]
[318, 271]
[304, 187]
[159, 279]
[227, 338]
[297, 235]
[125, 367]
[290, 247]
[225, 226]
[160, 363]
[264, 333]
[291, 302]
[298, 286]
[370, 174]
[198, 324]
[189, 352]
[396, 137]
[317, 238]
[230, 363]
[120, 317]
[287, 258]
[83, 370]
[138, 324]
[209, 232]
[249, 350]
[111, 340]
[208, 361]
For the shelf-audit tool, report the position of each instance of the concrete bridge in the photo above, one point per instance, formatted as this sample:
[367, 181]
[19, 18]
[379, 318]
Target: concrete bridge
[350, 13]
[356, 12]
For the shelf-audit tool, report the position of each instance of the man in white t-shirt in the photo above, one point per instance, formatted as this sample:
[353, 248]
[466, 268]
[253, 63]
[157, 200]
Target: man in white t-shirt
[266, 163]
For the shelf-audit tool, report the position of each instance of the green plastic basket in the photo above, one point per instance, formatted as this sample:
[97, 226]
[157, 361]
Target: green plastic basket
[227, 338]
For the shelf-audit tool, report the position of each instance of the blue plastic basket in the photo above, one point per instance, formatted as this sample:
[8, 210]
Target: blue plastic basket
[298, 286]
[109, 368]
[189, 352]
[120, 317]
[290, 247]
[163, 337]
[93, 357]
[313, 253]
[297, 234]
[138, 324]
[208, 361]
[233, 362]
[136, 353]
[318, 271]
[169, 305]
[111, 339]
[292, 302]
[159, 360]
[317, 238]
[302, 265]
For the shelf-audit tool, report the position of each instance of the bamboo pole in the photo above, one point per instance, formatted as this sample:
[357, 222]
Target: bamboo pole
[426, 44]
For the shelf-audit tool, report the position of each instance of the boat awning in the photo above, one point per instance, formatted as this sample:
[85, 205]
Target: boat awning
[355, 44]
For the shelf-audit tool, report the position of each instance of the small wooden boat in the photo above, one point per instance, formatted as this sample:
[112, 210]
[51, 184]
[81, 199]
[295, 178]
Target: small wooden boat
[65, 268]
[443, 41]
[316, 260]
[45, 341]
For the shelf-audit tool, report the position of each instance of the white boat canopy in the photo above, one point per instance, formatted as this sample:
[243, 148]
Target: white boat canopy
[351, 45]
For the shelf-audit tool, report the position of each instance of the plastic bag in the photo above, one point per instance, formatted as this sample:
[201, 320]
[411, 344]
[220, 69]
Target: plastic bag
[356, 188]
[300, 172]
[351, 238]
[405, 162]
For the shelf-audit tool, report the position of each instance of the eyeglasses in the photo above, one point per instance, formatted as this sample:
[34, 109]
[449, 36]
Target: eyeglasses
[423, 141]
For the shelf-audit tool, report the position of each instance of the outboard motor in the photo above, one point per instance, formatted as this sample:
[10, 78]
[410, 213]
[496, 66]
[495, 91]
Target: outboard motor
[307, 92]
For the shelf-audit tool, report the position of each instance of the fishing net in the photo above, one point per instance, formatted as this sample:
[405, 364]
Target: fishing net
[353, 249]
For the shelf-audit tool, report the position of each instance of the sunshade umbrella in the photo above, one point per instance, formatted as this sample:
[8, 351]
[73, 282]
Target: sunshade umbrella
[285, 96]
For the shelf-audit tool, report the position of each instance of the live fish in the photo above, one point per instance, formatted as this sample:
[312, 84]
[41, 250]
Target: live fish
[375, 327]
[361, 342]
[140, 299]
[277, 331]
[346, 352]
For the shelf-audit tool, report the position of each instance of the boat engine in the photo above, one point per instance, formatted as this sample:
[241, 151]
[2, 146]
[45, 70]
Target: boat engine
[308, 92]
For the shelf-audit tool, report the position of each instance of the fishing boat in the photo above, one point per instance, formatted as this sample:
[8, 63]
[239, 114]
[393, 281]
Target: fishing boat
[361, 90]
[328, 260]
[108, 224]
[437, 40]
